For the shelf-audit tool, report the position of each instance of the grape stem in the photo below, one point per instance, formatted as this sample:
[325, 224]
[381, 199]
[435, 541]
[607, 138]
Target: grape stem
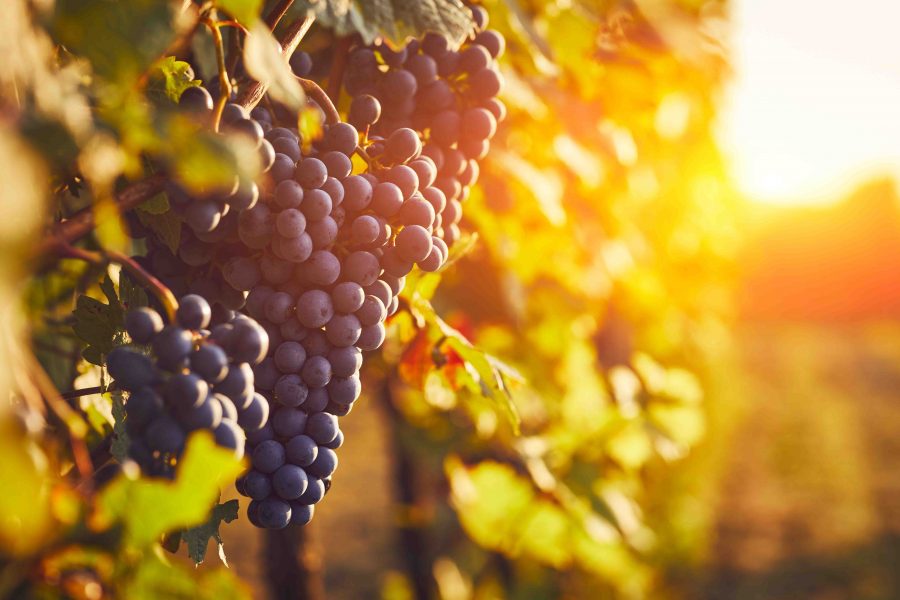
[253, 91]
[81, 223]
[364, 155]
[224, 83]
[140, 275]
[83, 392]
[315, 91]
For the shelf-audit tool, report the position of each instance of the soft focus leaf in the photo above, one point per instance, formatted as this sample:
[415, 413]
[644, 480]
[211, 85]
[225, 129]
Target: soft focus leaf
[244, 11]
[172, 77]
[149, 508]
[265, 63]
[121, 39]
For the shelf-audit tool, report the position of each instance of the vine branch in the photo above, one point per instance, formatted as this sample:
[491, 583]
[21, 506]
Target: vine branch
[253, 91]
[317, 94]
[81, 223]
[140, 275]
[224, 83]
[278, 11]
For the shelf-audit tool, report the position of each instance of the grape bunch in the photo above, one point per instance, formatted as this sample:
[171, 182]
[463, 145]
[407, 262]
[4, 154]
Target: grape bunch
[181, 377]
[318, 249]
[448, 96]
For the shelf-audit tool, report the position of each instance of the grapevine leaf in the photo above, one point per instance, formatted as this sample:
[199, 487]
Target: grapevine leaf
[119, 447]
[156, 205]
[169, 78]
[244, 11]
[198, 537]
[490, 371]
[265, 63]
[95, 326]
[131, 295]
[395, 19]
[148, 508]
[166, 226]
[120, 39]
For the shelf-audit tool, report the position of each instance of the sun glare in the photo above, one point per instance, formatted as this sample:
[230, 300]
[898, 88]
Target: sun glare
[814, 107]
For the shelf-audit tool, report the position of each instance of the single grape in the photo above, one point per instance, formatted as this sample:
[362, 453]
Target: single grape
[316, 372]
[342, 330]
[361, 267]
[268, 456]
[164, 435]
[316, 204]
[143, 323]
[131, 369]
[322, 427]
[196, 99]
[288, 194]
[387, 199]
[289, 481]
[257, 485]
[341, 137]
[322, 268]
[289, 357]
[347, 297]
[344, 390]
[311, 173]
[364, 111]
[314, 308]
[210, 362]
[344, 361]
[325, 463]
[290, 390]
[288, 422]
[274, 513]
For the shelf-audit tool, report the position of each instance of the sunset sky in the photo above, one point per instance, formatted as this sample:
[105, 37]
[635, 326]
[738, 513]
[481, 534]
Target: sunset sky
[814, 109]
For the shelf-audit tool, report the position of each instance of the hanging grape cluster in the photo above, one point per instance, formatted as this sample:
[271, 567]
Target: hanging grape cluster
[312, 258]
[182, 377]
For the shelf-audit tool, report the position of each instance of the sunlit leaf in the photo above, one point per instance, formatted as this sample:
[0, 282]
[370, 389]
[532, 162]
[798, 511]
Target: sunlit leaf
[149, 508]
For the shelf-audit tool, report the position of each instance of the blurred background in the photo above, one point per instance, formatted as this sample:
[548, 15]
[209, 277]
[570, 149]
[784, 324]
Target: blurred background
[689, 247]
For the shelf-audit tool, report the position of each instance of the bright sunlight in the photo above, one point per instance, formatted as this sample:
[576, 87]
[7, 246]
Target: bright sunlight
[813, 107]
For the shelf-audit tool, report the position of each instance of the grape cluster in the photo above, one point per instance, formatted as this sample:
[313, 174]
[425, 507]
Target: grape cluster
[181, 377]
[317, 251]
[448, 96]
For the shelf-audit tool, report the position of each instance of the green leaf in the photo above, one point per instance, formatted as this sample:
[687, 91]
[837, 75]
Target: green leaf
[131, 295]
[490, 371]
[148, 508]
[97, 324]
[155, 579]
[395, 19]
[156, 205]
[169, 78]
[166, 226]
[245, 12]
[120, 39]
[265, 63]
[197, 538]
[119, 446]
